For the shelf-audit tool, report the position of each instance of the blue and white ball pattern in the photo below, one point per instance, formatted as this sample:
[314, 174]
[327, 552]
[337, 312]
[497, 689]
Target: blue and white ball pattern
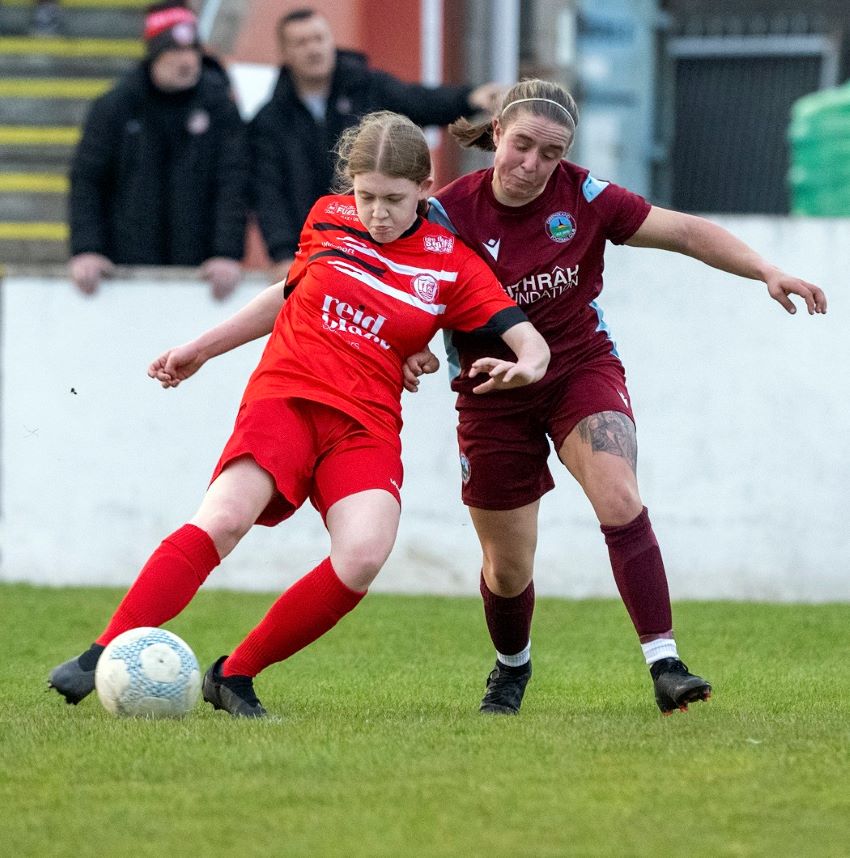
[148, 672]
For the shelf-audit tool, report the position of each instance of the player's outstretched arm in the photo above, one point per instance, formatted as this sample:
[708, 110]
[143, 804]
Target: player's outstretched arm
[709, 243]
[531, 364]
[256, 319]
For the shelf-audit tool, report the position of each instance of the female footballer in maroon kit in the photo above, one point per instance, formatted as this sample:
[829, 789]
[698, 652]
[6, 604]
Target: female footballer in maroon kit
[541, 223]
[321, 415]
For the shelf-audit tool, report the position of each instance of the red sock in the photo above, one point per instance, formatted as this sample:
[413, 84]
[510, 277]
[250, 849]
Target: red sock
[508, 618]
[639, 573]
[167, 582]
[309, 608]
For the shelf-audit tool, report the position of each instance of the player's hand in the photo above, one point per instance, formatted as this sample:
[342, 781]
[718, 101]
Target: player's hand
[222, 274]
[504, 374]
[87, 269]
[176, 365]
[488, 97]
[418, 364]
[781, 285]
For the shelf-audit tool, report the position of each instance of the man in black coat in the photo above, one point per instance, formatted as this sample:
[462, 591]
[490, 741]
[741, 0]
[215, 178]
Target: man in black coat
[320, 92]
[160, 176]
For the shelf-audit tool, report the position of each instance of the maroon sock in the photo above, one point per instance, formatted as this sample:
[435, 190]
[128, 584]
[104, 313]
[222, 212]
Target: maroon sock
[167, 582]
[508, 618]
[639, 573]
[309, 608]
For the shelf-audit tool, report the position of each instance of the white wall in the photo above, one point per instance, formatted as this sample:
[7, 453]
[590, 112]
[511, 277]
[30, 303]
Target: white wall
[743, 424]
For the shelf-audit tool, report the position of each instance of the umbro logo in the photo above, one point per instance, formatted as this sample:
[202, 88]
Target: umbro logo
[492, 247]
[624, 398]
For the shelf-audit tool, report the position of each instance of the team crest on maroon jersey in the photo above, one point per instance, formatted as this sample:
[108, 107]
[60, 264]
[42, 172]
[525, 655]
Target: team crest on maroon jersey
[560, 227]
[425, 286]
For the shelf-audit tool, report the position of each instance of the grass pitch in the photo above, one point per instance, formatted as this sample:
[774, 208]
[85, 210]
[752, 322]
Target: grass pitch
[377, 749]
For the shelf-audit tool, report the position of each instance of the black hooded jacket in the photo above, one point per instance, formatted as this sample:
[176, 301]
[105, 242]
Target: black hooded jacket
[161, 179]
[292, 153]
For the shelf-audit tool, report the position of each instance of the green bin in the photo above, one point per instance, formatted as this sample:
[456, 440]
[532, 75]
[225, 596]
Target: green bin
[819, 139]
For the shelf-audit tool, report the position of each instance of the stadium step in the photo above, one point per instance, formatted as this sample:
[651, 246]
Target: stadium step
[75, 21]
[37, 101]
[47, 84]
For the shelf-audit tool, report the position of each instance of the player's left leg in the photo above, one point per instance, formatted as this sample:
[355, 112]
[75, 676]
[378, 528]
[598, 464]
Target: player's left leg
[356, 486]
[362, 527]
[601, 453]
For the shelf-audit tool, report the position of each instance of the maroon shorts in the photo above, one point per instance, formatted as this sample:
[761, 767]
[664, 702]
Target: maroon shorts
[504, 452]
[312, 451]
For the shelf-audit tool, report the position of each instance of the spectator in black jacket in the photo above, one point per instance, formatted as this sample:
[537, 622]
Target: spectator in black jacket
[320, 92]
[160, 176]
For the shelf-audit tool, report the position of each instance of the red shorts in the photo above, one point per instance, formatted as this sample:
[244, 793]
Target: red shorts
[312, 451]
[504, 452]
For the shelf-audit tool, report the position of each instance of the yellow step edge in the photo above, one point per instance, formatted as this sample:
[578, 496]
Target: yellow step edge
[33, 183]
[35, 135]
[88, 4]
[63, 47]
[54, 87]
[33, 231]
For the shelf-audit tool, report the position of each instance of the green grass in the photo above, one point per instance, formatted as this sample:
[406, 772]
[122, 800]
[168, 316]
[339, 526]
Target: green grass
[377, 749]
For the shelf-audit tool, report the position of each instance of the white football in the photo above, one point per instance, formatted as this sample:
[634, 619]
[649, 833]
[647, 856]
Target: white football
[148, 672]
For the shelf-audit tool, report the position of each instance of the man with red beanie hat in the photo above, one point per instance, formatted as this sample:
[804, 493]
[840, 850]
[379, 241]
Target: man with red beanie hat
[160, 175]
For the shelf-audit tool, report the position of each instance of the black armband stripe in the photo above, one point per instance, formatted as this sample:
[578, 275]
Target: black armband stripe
[502, 321]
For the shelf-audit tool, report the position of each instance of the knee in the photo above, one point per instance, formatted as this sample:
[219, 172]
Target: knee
[619, 503]
[507, 575]
[226, 524]
[358, 563]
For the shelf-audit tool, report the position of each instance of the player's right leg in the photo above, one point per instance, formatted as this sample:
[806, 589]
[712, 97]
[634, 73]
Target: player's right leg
[505, 473]
[508, 541]
[178, 567]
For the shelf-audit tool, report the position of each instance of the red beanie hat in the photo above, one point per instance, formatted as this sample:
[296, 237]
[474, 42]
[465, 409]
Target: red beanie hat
[173, 27]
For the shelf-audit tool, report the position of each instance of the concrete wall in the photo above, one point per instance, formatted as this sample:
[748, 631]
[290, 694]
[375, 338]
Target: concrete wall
[743, 419]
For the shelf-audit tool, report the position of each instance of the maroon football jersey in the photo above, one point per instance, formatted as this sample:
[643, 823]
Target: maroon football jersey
[548, 256]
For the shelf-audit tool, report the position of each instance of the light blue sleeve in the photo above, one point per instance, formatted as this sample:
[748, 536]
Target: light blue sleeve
[437, 214]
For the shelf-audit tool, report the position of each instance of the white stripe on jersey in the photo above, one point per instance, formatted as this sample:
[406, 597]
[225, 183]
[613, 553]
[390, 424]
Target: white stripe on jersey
[379, 286]
[354, 244]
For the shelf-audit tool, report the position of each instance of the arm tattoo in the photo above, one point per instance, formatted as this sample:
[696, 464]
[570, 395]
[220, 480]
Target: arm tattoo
[610, 432]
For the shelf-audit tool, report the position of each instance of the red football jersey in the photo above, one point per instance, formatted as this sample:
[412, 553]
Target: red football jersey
[356, 309]
[548, 256]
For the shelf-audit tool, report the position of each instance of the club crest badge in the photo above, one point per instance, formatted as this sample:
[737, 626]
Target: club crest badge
[425, 286]
[184, 34]
[198, 122]
[560, 227]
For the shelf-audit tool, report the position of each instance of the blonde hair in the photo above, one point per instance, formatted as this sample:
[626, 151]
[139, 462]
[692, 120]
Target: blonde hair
[538, 97]
[382, 142]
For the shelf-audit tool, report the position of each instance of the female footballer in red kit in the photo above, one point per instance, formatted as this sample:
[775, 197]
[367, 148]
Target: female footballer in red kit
[541, 222]
[321, 415]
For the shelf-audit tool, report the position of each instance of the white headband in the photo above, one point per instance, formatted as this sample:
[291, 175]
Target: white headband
[548, 101]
